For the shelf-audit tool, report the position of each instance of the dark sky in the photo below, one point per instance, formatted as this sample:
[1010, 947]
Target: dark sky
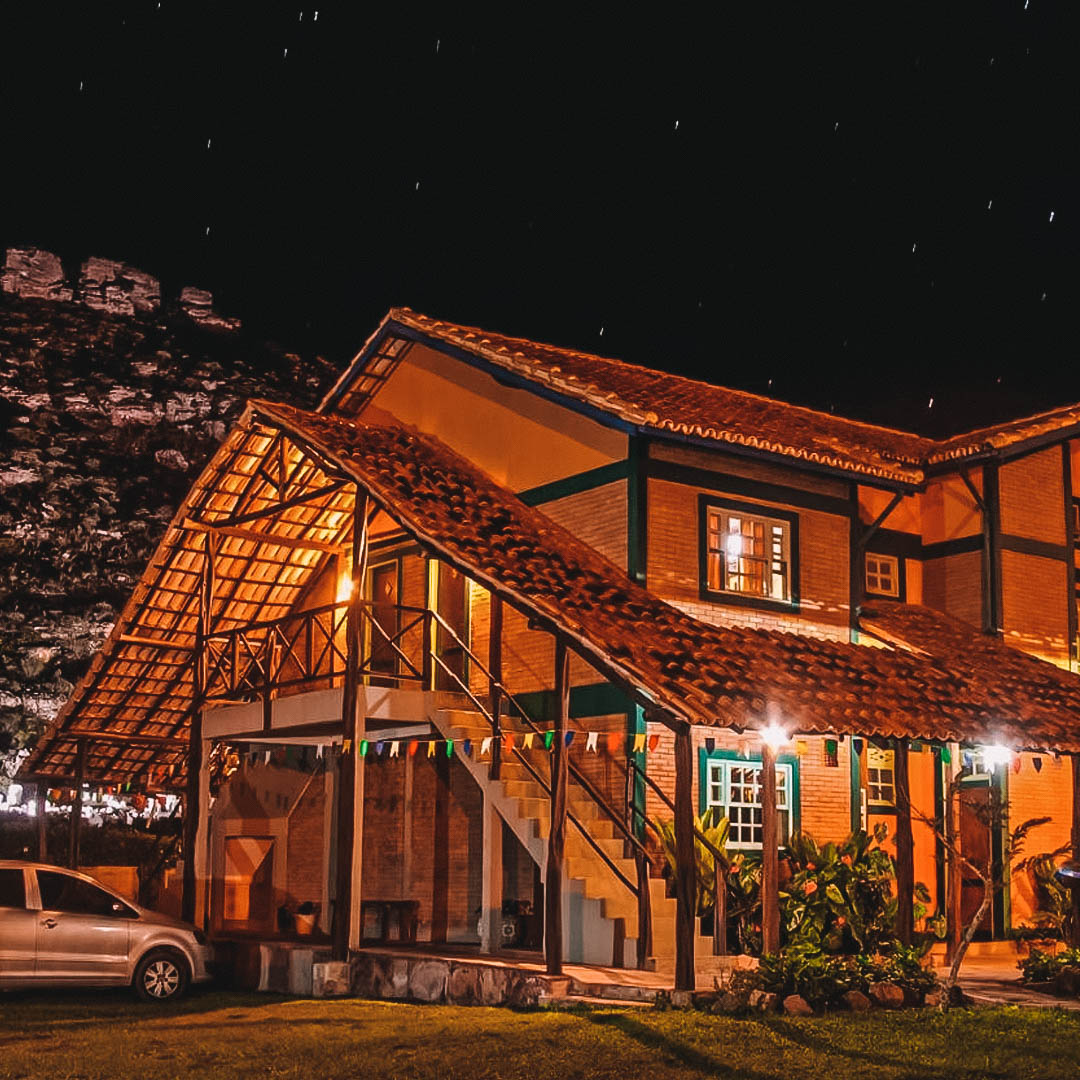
[870, 205]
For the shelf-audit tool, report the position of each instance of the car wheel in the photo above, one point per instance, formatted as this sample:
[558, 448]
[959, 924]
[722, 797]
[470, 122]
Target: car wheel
[161, 975]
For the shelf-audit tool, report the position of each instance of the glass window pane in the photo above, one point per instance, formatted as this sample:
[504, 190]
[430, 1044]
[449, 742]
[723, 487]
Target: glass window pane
[12, 889]
[62, 892]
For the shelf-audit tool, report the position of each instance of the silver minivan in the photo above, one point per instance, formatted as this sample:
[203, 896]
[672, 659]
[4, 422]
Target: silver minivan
[62, 928]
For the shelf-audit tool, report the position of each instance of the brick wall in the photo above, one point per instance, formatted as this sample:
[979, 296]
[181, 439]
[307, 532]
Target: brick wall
[395, 821]
[598, 517]
[1047, 793]
[1032, 496]
[673, 565]
[824, 790]
[953, 584]
[1034, 601]
[305, 870]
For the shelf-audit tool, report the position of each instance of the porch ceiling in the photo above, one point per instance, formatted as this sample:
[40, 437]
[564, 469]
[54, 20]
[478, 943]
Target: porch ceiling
[281, 474]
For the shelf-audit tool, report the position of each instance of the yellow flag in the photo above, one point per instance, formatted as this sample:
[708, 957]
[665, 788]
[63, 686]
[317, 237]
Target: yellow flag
[639, 742]
[431, 748]
[528, 740]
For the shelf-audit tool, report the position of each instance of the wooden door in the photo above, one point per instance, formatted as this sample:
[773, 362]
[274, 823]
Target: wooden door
[976, 844]
[451, 605]
[385, 613]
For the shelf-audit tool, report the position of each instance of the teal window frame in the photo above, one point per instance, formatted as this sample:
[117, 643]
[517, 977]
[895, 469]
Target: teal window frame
[791, 761]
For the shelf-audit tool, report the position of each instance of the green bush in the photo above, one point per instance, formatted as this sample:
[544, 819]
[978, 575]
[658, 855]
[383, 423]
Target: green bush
[823, 979]
[1039, 966]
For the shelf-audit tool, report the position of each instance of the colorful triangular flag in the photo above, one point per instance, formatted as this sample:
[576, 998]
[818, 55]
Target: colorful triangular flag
[590, 742]
[395, 748]
[485, 746]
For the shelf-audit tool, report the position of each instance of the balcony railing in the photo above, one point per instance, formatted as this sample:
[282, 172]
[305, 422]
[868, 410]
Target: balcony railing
[307, 651]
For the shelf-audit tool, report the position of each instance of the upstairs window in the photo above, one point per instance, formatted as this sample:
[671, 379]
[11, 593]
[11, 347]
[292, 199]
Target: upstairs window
[883, 575]
[748, 553]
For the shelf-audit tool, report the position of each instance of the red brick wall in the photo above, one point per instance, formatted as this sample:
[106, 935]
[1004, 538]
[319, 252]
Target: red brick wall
[673, 564]
[385, 840]
[305, 869]
[1032, 496]
[953, 584]
[597, 516]
[1034, 601]
[1047, 793]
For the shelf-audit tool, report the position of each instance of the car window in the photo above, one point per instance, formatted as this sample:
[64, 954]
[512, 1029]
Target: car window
[62, 892]
[12, 888]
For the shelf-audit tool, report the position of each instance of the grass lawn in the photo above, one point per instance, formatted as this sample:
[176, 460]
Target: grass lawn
[223, 1034]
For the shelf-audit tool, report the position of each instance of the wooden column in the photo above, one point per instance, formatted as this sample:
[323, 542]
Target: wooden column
[905, 850]
[495, 695]
[685, 861]
[553, 879]
[193, 808]
[770, 869]
[349, 766]
[75, 825]
[440, 888]
[954, 913]
[491, 878]
[1076, 844]
[39, 822]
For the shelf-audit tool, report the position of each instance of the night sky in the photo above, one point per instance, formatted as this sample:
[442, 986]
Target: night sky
[855, 206]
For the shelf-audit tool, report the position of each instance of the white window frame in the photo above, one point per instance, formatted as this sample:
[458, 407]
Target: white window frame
[729, 551]
[740, 814]
[874, 577]
[883, 763]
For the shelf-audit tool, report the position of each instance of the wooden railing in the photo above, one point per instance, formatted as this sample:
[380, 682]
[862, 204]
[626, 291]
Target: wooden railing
[307, 649]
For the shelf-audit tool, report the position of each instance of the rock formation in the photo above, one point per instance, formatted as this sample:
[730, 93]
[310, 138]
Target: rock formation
[34, 274]
[109, 418]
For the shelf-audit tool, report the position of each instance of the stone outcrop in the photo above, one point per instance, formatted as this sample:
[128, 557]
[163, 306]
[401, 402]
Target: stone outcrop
[198, 304]
[34, 274]
[108, 420]
[119, 289]
[106, 285]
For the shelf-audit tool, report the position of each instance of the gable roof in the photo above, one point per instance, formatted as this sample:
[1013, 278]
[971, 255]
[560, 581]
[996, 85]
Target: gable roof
[706, 674]
[657, 401]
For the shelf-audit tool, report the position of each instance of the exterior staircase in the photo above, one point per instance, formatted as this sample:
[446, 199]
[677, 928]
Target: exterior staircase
[600, 914]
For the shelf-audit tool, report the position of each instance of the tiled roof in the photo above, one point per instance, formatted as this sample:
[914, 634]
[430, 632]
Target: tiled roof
[707, 674]
[663, 402]
[984, 661]
[957, 685]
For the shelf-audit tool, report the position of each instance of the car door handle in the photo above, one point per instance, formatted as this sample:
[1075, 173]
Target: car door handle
[48, 923]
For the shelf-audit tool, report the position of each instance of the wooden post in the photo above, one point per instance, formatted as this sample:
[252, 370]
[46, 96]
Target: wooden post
[350, 758]
[193, 808]
[494, 693]
[905, 853]
[770, 868]
[1076, 845]
[553, 892]
[954, 889]
[644, 908]
[685, 861]
[491, 879]
[719, 946]
[42, 835]
[75, 825]
[440, 888]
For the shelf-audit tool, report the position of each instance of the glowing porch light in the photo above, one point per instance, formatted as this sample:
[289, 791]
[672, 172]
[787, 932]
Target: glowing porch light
[344, 588]
[733, 545]
[774, 736]
[998, 754]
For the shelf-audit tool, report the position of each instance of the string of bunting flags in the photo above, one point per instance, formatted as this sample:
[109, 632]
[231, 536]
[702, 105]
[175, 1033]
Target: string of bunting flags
[595, 742]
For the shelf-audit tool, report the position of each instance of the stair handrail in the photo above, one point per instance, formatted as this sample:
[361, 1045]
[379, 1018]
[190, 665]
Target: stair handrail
[576, 773]
[571, 817]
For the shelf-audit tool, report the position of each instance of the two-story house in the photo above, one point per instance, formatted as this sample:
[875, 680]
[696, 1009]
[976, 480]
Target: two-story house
[502, 605]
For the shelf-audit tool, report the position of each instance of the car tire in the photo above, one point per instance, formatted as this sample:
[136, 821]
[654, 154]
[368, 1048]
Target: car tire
[162, 975]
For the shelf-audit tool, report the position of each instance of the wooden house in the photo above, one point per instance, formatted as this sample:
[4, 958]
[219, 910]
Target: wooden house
[518, 601]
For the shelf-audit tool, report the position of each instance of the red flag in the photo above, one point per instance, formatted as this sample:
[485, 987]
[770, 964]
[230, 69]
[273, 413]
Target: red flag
[614, 742]
[654, 742]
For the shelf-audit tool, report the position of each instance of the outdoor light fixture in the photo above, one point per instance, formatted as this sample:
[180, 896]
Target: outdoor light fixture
[773, 735]
[344, 589]
[996, 755]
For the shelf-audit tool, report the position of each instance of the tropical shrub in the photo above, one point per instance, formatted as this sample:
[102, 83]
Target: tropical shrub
[1054, 915]
[1039, 966]
[822, 978]
[714, 827]
[839, 897]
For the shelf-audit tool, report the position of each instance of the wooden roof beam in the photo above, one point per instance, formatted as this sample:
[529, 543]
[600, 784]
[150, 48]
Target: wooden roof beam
[263, 538]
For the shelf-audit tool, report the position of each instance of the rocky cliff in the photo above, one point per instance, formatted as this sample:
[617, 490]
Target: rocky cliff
[111, 404]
